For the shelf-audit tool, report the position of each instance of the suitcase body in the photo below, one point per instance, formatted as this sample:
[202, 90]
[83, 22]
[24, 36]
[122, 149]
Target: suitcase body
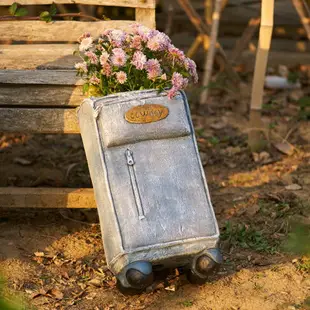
[150, 188]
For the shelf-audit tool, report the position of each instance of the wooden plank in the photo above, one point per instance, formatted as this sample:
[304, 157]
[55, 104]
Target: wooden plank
[59, 31]
[146, 17]
[19, 197]
[40, 95]
[38, 56]
[36, 120]
[50, 77]
[125, 3]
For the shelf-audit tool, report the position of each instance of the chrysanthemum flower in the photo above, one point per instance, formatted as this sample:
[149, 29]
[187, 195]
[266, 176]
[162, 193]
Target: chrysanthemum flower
[190, 66]
[117, 37]
[86, 44]
[119, 57]
[104, 58]
[94, 80]
[136, 42]
[106, 70]
[158, 42]
[92, 57]
[121, 77]
[139, 60]
[172, 93]
[153, 69]
[81, 67]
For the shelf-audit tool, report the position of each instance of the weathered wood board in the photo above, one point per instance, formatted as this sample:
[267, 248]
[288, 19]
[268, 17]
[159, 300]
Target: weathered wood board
[36, 120]
[38, 56]
[19, 197]
[49, 77]
[59, 31]
[125, 3]
[41, 95]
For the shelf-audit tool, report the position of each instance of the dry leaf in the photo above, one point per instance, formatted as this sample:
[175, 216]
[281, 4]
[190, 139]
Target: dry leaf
[171, 288]
[39, 254]
[284, 148]
[56, 293]
[219, 125]
[96, 282]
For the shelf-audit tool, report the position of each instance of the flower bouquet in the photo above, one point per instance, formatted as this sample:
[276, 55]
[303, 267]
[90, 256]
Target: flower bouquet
[140, 59]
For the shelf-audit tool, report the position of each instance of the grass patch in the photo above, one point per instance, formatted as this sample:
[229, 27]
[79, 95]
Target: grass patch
[187, 303]
[9, 304]
[298, 240]
[247, 237]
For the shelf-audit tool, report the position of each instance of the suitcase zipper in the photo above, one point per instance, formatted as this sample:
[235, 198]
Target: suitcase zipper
[134, 183]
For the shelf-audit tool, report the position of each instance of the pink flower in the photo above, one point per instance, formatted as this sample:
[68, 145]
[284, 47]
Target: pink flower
[142, 31]
[92, 57]
[177, 80]
[83, 36]
[104, 58]
[86, 44]
[136, 42]
[81, 67]
[176, 55]
[171, 93]
[106, 70]
[190, 66]
[153, 69]
[158, 42]
[164, 77]
[121, 77]
[117, 37]
[94, 80]
[139, 60]
[119, 57]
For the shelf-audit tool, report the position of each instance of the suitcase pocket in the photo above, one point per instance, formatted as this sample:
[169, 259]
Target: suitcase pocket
[134, 183]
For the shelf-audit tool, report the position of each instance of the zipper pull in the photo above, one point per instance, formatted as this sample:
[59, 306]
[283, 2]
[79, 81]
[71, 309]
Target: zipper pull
[129, 157]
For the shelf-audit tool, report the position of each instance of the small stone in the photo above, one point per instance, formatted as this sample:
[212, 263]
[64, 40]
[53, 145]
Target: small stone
[293, 187]
[295, 95]
[22, 161]
[217, 126]
[285, 148]
[295, 260]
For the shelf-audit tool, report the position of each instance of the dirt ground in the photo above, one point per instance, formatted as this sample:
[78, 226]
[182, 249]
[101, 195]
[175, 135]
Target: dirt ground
[53, 259]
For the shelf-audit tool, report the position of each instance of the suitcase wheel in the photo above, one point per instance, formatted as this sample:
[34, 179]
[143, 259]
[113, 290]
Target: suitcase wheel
[202, 268]
[138, 276]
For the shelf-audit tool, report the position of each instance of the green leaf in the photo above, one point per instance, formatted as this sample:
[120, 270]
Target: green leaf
[304, 102]
[85, 88]
[21, 12]
[105, 18]
[45, 16]
[53, 9]
[12, 8]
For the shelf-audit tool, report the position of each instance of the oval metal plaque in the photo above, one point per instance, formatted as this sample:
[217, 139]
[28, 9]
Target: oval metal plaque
[147, 113]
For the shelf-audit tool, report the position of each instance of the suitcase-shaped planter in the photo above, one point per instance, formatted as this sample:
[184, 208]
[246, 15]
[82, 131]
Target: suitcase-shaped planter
[150, 188]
